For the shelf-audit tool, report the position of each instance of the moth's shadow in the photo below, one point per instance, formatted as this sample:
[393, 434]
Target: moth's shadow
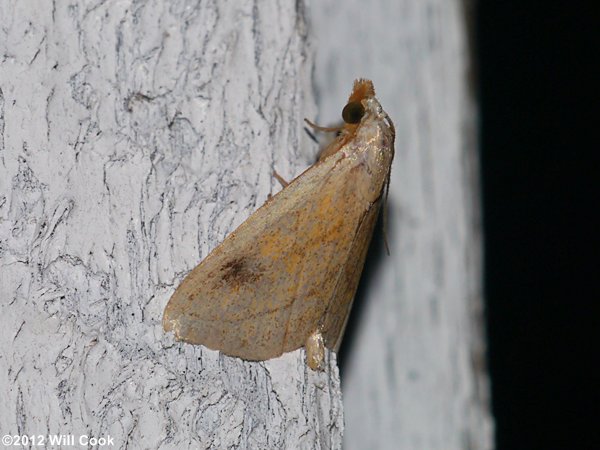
[376, 255]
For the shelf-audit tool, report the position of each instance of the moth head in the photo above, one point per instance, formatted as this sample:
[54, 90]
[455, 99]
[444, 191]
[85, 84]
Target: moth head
[361, 103]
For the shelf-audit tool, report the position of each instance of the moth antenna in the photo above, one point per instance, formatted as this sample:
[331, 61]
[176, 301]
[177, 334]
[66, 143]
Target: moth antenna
[387, 190]
[324, 129]
[385, 214]
[280, 179]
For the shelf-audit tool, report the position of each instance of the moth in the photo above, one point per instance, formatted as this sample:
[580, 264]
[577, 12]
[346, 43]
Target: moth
[287, 276]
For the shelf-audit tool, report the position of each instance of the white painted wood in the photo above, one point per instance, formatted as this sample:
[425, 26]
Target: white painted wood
[133, 137]
[414, 374]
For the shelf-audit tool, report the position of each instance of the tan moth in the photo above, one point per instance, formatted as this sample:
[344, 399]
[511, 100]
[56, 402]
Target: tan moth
[286, 277]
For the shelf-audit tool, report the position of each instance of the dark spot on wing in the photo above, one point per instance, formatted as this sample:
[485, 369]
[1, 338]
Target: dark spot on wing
[241, 271]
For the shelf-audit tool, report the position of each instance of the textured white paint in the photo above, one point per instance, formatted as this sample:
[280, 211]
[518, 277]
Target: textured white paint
[414, 377]
[133, 137]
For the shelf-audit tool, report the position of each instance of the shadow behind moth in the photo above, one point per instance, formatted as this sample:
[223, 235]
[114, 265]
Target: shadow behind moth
[286, 277]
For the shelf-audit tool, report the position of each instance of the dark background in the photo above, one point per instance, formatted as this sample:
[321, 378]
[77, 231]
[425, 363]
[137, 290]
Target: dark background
[537, 89]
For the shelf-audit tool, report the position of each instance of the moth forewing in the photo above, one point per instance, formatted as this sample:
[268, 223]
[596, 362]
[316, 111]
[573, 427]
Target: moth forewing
[287, 276]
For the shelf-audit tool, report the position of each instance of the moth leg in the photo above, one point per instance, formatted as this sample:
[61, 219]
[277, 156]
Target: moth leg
[280, 179]
[311, 136]
[314, 126]
[315, 350]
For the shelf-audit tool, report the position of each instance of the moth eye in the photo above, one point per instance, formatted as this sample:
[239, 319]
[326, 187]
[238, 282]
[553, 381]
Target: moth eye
[353, 112]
